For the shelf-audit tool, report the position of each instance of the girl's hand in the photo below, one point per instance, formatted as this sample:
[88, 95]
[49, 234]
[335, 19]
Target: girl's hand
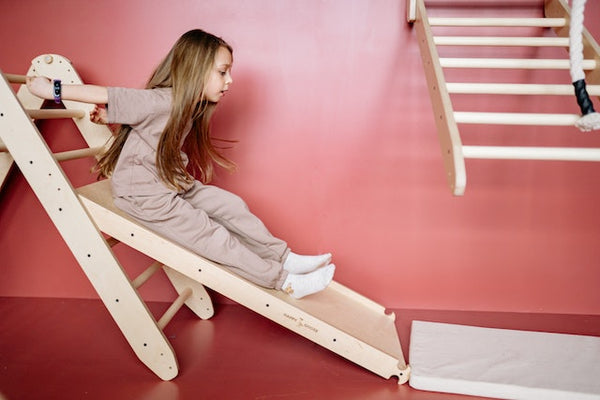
[98, 115]
[40, 86]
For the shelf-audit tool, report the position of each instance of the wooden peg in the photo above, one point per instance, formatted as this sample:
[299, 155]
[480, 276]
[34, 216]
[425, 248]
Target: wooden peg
[55, 114]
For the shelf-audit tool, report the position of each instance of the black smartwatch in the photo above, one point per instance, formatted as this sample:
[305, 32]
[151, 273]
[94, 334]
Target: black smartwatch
[57, 91]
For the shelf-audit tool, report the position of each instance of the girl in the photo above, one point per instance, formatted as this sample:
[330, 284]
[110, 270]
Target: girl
[163, 142]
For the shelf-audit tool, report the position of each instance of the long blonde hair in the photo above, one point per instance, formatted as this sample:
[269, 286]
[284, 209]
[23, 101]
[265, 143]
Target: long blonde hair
[185, 69]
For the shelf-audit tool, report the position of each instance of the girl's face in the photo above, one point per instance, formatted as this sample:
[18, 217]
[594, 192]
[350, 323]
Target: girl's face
[219, 78]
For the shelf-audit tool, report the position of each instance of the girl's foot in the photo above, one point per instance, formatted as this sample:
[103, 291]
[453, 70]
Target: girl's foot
[298, 285]
[297, 264]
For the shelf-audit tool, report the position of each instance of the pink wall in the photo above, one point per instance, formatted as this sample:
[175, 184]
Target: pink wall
[337, 152]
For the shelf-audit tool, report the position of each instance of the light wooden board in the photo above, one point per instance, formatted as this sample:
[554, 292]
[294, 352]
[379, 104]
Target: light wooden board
[448, 134]
[502, 363]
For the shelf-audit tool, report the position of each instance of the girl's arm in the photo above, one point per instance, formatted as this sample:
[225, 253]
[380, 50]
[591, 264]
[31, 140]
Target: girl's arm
[43, 87]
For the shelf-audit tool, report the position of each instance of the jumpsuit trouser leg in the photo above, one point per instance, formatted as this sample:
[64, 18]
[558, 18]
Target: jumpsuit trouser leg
[217, 225]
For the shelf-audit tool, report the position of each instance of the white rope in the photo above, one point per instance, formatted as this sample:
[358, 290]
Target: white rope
[590, 119]
[575, 40]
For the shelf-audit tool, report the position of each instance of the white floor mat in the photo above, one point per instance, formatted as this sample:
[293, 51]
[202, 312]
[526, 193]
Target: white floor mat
[502, 363]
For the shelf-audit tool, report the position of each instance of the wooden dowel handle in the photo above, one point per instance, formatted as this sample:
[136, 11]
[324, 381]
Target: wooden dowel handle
[500, 41]
[112, 242]
[518, 63]
[517, 88]
[529, 22]
[532, 153]
[147, 274]
[68, 155]
[466, 117]
[14, 78]
[79, 153]
[172, 310]
[54, 114]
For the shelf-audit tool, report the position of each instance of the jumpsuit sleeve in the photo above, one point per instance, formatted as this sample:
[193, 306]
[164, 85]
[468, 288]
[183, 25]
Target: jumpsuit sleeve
[132, 106]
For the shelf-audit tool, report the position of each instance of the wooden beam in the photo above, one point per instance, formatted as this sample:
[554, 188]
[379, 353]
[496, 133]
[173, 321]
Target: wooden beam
[14, 78]
[513, 63]
[532, 153]
[176, 306]
[146, 274]
[497, 118]
[500, 41]
[517, 89]
[448, 134]
[55, 114]
[522, 22]
[76, 154]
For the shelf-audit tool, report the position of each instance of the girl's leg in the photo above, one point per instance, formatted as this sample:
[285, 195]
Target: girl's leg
[230, 211]
[170, 215]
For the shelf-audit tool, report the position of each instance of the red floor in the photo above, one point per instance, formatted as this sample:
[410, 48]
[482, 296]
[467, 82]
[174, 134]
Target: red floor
[71, 349]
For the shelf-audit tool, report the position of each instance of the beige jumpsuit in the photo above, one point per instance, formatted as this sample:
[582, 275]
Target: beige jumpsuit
[210, 221]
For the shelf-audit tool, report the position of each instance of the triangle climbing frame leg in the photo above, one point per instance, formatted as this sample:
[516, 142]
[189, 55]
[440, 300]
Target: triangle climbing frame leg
[26, 146]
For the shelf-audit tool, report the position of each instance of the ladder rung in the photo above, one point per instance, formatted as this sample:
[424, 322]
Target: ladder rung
[539, 22]
[79, 153]
[494, 118]
[521, 63]
[517, 88]
[146, 274]
[532, 153]
[67, 155]
[172, 310]
[14, 78]
[54, 114]
[112, 242]
[500, 41]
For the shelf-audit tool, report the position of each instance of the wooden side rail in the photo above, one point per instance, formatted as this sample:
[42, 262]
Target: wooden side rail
[448, 135]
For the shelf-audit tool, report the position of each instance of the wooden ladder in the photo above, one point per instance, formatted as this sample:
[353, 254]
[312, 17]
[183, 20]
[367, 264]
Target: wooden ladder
[443, 93]
[337, 318]
[23, 143]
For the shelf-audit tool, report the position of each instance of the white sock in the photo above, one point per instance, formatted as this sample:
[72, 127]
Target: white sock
[297, 264]
[298, 285]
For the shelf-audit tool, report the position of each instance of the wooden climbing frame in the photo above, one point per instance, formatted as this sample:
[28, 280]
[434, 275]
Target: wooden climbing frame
[337, 318]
